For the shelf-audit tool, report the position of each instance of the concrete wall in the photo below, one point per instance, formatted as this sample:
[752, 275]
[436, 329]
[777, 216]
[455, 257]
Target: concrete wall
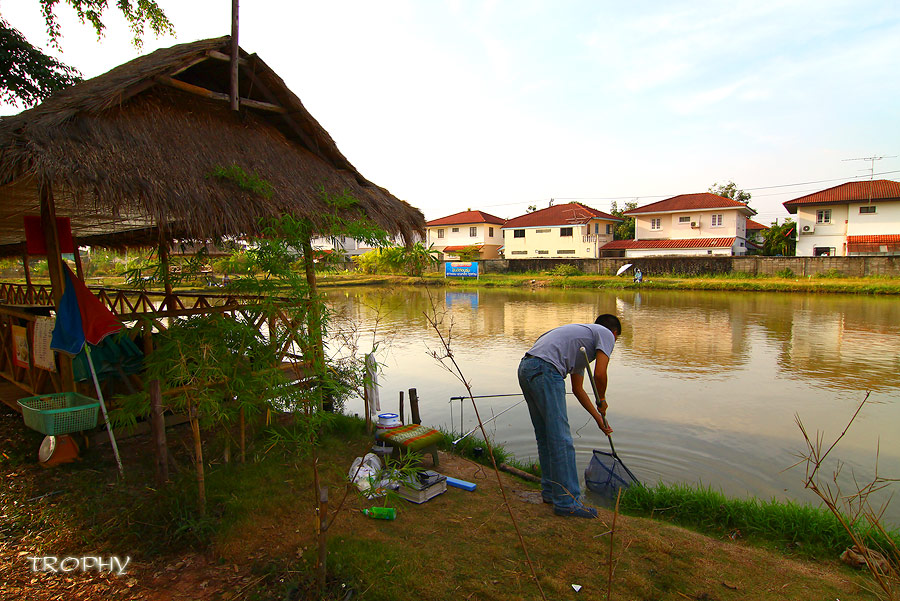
[801, 266]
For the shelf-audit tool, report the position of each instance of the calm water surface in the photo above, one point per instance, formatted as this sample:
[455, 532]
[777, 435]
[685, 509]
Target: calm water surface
[705, 387]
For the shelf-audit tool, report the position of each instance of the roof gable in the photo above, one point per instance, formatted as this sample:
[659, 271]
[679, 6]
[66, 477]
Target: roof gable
[691, 202]
[573, 213]
[464, 217]
[129, 155]
[879, 189]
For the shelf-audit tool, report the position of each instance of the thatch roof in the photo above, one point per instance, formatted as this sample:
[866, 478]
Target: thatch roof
[129, 154]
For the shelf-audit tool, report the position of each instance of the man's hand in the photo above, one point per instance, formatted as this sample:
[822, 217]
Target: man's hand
[603, 424]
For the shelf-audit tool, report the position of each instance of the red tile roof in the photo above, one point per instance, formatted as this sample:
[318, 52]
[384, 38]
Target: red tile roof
[687, 202]
[755, 225]
[572, 213]
[450, 249]
[651, 244]
[873, 243]
[879, 189]
[467, 217]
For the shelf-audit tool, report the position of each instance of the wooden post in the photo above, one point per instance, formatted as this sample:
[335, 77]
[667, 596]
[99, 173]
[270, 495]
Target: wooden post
[313, 319]
[235, 99]
[367, 410]
[158, 425]
[169, 302]
[79, 268]
[57, 279]
[157, 420]
[414, 406]
[29, 291]
[402, 421]
[322, 539]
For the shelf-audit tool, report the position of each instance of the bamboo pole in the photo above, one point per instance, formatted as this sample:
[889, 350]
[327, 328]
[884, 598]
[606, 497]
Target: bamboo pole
[322, 538]
[198, 457]
[54, 267]
[313, 318]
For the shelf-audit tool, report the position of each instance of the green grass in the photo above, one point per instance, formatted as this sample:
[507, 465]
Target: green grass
[802, 529]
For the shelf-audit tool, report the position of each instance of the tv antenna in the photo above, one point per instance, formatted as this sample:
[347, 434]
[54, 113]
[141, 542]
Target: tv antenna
[871, 168]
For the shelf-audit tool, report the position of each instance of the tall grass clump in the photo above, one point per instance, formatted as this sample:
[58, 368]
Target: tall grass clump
[805, 529]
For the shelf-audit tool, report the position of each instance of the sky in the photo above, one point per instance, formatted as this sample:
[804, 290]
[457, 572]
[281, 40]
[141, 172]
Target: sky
[499, 105]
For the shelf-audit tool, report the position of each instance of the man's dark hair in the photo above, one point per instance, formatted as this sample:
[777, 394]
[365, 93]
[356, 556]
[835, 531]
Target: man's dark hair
[610, 322]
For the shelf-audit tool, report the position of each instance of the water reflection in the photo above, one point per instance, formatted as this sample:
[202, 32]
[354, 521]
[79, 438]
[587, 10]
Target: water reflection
[704, 386]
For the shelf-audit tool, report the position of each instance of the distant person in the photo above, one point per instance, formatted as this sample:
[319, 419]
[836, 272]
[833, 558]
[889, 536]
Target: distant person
[542, 377]
[638, 276]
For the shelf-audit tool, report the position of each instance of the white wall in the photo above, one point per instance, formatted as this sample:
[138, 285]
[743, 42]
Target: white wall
[885, 220]
[462, 237]
[734, 224]
[545, 242]
[824, 235]
[681, 252]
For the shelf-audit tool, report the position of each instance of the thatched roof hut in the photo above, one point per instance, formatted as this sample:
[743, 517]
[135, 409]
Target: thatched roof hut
[129, 154]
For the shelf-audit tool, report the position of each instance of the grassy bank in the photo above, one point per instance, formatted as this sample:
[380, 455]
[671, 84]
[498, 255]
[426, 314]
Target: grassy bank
[829, 284]
[258, 540]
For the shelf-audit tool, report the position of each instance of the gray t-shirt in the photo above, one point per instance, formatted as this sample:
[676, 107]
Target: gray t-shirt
[561, 347]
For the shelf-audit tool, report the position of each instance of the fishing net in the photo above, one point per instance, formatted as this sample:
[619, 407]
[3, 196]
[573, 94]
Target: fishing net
[606, 475]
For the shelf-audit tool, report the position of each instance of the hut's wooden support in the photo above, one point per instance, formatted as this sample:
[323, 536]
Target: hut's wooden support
[54, 264]
[29, 291]
[79, 268]
[314, 322]
[197, 90]
[235, 48]
[157, 421]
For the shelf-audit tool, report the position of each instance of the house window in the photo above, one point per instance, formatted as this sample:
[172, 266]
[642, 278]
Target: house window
[867, 210]
[656, 224]
[608, 228]
[491, 232]
[542, 252]
[823, 216]
[542, 230]
[684, 219]
[717, 220]
[565, 252]
[520, 252]
[823, 251]
[441, 233]
[473, 231]
[565, 232]
[455, 230]
[518, 233]
[597, 228]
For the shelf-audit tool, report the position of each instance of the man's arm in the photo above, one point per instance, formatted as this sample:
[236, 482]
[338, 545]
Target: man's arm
[585, 400]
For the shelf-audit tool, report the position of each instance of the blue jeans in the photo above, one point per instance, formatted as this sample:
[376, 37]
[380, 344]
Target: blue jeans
[545, 393]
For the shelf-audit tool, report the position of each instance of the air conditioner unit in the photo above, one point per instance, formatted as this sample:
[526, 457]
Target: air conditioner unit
[694, 224]
[808, 229]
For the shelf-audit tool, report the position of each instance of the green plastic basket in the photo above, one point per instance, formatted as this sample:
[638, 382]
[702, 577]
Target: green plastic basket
[59, 413]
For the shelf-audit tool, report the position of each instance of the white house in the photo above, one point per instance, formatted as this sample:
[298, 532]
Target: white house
[856, 218]
[567, 231]
[688, 225]
[347, 246]
[467, 229]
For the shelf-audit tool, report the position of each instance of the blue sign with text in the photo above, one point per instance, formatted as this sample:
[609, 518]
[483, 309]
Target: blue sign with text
[461, 269]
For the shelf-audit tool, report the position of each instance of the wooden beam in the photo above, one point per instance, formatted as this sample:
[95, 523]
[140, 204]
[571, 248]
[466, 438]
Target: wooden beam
[311, 144]
[198, 91]
[235, 98]
[221, 56]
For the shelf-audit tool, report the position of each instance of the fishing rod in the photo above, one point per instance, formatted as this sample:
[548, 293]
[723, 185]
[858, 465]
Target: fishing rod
[490, 420]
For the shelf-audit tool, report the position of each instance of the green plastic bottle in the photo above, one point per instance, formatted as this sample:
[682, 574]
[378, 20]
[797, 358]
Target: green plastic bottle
[381, 513]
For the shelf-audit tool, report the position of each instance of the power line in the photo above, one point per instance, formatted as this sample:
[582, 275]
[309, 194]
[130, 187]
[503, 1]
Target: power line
[639, 196]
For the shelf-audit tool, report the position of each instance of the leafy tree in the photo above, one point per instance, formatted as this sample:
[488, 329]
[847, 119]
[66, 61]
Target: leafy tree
[625, 230]
[531, 209]
[28, 75]
[780, 239]
[730, 190]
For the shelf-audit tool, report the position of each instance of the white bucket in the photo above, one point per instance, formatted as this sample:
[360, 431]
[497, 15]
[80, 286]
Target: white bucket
[388, 421]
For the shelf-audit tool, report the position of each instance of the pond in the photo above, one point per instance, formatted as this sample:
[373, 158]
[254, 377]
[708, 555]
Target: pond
[705, 387]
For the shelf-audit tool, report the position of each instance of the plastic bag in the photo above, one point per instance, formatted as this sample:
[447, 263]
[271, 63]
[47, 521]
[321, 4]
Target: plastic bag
[367, 474]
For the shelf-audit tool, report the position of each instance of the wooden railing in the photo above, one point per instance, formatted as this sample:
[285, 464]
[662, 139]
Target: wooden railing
[144, 313]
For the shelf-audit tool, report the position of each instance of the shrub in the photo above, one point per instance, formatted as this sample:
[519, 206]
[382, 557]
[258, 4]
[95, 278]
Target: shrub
[786, 273]
[565, 270]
